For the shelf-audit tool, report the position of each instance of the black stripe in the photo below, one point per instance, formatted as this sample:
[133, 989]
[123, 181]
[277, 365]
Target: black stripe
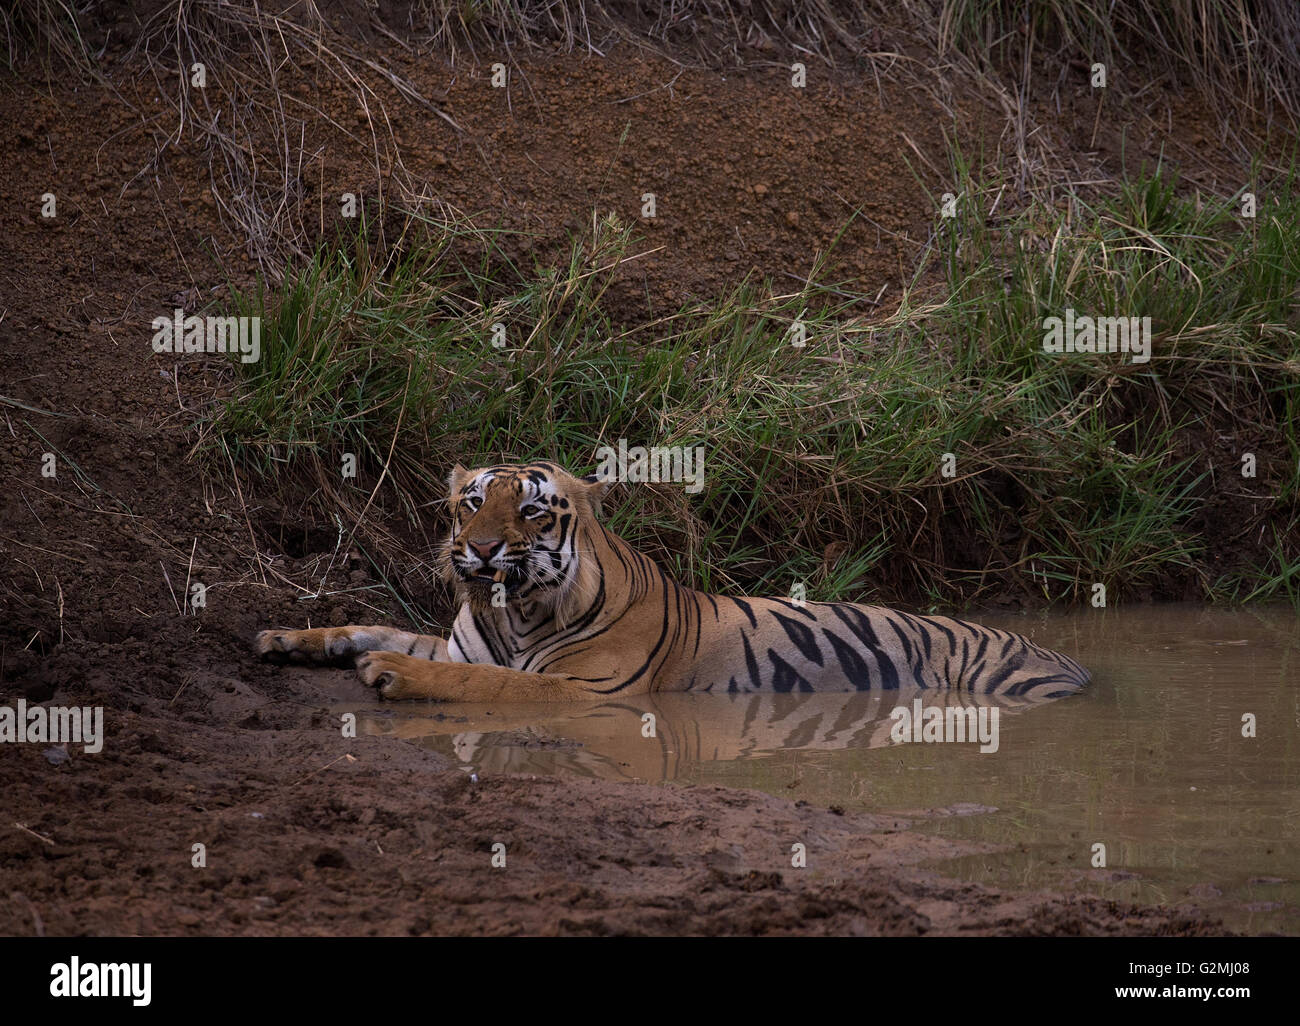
[998, 678]
[913, 657]
[786, 677]
[859, 624]
[854, 666]
[799, 607]
[751, 663]
[802, 636]
[744, 608]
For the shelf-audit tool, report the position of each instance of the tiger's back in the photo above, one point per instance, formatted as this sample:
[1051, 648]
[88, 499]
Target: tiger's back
[838, 646]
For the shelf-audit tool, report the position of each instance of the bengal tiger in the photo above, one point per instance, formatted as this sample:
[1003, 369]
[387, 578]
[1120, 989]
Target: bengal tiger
[553, 607]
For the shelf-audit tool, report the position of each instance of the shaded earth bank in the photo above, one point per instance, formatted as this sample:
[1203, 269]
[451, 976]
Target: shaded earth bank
[306, 831]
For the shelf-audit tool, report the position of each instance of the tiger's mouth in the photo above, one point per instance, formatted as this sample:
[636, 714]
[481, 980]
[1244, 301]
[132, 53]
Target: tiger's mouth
[485, 579]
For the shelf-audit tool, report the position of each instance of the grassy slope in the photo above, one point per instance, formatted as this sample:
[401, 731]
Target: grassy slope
[825, 462]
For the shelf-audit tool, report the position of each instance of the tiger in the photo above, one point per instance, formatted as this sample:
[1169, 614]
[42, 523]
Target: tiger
[553, 606]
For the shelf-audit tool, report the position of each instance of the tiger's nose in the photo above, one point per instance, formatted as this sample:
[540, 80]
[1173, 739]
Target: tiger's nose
[485, 549]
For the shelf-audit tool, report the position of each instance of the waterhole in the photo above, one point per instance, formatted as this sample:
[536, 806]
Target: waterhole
[1181, 760]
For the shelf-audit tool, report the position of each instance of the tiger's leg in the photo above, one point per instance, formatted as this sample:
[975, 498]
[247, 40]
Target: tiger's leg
[399, 676]
[331, 644]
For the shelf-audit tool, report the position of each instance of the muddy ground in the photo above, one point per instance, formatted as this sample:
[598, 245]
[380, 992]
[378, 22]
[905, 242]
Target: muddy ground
[308, 832]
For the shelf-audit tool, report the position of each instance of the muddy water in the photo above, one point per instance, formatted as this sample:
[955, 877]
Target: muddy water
[1150, 762]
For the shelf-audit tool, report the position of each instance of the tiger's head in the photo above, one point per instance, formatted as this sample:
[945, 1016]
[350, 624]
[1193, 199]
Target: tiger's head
[514, 532]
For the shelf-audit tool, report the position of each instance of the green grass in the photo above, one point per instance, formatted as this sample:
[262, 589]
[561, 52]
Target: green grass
[823, 463]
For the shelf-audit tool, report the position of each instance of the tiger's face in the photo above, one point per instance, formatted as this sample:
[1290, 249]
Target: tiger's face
[514, 529]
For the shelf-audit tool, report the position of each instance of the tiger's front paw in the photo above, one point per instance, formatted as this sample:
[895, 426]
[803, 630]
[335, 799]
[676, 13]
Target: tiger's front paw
[319, 645]
[395, 675]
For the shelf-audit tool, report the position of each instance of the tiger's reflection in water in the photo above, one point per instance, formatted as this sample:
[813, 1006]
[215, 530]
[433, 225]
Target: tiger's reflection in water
[664, 736]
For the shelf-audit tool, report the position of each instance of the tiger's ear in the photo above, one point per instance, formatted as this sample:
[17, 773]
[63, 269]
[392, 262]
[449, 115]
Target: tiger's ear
[597, 486]
[457, 479]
